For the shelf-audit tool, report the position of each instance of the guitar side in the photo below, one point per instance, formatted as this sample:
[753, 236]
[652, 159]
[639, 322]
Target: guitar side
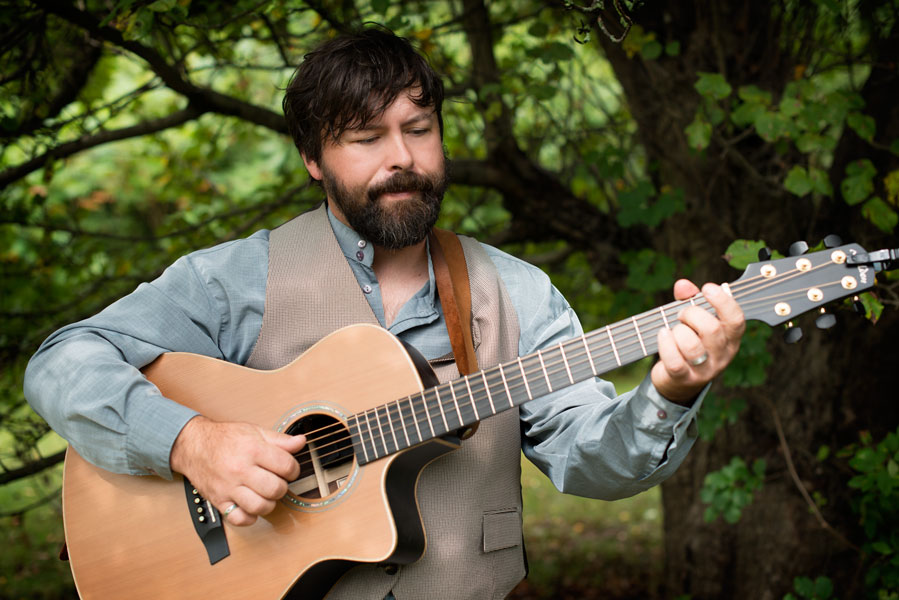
[133, 537]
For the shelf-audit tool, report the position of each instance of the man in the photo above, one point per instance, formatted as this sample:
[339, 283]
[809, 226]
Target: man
[365, 113]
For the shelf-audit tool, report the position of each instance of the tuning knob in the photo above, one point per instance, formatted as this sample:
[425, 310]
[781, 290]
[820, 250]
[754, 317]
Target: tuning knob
[832, 241]
[792, 334]
[825, 320]
[798, 248]
[858, 306]
[764, 254]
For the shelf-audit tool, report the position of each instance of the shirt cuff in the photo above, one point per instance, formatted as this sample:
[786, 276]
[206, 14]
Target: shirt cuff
[657, 414]
[149, 445]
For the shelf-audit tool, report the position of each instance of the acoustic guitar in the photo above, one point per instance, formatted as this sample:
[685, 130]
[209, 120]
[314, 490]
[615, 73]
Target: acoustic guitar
[150, 538]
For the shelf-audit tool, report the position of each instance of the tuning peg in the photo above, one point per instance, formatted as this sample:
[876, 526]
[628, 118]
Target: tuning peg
[798, 248]
[764, 254]
[832, 241]
[825, 320]
[858, 306]
[792, 334]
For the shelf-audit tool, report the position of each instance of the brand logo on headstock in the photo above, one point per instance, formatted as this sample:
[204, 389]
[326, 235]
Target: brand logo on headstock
[863, 273]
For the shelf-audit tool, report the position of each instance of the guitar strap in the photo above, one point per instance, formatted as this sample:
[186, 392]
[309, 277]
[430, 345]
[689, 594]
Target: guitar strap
[451, 274]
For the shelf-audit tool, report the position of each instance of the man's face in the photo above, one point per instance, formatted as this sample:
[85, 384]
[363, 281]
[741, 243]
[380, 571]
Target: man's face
[386, 181]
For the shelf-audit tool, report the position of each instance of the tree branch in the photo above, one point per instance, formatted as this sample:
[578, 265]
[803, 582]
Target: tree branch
[206, 99]
[69, 148]
[32, 467]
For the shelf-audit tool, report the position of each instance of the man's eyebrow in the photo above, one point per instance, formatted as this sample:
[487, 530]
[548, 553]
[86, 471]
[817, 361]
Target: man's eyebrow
[424, 115]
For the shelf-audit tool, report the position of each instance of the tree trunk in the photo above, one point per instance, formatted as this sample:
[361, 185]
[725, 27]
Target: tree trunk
[734, 190]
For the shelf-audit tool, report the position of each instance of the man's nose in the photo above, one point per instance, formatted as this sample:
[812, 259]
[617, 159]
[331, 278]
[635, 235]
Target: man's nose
[400, 157]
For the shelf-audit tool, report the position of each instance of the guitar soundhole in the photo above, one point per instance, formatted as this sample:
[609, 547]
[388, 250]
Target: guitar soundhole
[327, 459]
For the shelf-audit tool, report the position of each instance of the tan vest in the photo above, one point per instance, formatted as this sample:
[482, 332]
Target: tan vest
[470, 499]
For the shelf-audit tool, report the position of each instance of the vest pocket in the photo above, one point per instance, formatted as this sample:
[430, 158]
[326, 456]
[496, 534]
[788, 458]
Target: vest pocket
[502, 529]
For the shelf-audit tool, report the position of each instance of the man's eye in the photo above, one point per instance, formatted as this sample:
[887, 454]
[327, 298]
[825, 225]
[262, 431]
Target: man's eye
[368, 140]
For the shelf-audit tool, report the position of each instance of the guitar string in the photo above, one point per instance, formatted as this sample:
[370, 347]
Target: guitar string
[626, 344]
[554, 371]
[626, 349]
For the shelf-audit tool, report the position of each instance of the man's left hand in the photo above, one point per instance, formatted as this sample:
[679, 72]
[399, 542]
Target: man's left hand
[697, 349]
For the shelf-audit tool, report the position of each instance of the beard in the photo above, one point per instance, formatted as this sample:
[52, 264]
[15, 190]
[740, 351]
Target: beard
[391, 225]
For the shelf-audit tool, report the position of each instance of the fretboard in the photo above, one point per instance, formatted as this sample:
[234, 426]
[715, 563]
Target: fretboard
[457, 404]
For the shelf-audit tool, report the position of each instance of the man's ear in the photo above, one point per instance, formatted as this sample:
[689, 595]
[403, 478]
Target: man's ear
[312, 166]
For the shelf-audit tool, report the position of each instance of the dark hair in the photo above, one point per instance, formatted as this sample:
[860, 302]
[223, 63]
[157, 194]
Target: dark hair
[350, 80]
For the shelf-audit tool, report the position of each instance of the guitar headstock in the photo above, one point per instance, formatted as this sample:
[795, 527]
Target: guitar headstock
[776, 291]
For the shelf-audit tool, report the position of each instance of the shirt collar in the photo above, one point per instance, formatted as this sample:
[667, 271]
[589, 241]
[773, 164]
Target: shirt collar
[359, 250]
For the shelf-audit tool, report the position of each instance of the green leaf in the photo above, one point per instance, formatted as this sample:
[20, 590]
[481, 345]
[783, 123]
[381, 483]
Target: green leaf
[539, 29]
[823, 588]
[798, 182]
[651, 50]
[713, 85]
[672, 48]
[859, 182]
[882, 547]
[699, 133]
[741, 253]
[864, 125]
[879, 212]
[747, 113]
[873, 307]
[820, 182]
[804, 586]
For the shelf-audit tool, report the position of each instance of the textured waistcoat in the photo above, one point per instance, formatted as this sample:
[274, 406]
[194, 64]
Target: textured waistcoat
[469, 499]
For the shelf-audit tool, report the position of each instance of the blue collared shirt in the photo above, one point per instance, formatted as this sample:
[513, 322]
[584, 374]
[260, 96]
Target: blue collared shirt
[85, 379]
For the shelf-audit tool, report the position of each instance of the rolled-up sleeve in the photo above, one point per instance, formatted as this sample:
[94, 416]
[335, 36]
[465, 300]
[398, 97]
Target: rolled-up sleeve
[85, 379]
[588, 439]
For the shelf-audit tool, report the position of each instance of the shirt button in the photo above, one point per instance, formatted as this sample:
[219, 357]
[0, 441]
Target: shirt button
[662, 415]
[360, 255]
[366, 288]
[361, 243]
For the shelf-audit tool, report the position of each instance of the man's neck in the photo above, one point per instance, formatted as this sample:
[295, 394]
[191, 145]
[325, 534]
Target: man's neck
[401, 273]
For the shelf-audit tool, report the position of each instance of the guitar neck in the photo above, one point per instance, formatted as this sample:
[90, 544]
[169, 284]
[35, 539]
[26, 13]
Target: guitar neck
[772, 291]
[460, 403]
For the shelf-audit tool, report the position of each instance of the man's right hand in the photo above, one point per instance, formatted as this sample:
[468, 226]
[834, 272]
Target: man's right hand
[237, 463]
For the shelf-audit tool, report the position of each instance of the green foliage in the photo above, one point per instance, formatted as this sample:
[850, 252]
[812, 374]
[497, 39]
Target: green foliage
[811, 116]
[819, 589]
[729, 490]
[877, 505]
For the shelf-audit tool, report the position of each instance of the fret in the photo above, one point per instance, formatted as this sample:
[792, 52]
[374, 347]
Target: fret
[543, 367]
[614, 349]
[440, 406]
[371, 434]
[589, 356]
[415, 419]
[474, 405]
[355, 419]
[565, 360]
[693, 301]
[399, 411]
[396, 444]
[506, 386]
[489, 395]
[639, 336]
[524, 376]
[456, 404]
[428, 415]
[664, 317]
[384, 438]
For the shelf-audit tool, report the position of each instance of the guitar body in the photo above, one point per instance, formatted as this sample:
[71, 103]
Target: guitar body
[134, 537]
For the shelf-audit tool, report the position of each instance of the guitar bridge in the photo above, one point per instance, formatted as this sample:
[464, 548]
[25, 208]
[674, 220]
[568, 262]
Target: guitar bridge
[208, 523]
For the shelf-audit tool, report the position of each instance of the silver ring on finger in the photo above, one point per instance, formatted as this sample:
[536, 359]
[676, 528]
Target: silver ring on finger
[229, 510]
[699, 360]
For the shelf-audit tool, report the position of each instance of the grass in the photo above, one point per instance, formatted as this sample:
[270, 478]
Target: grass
[584, 548]
[577, 547]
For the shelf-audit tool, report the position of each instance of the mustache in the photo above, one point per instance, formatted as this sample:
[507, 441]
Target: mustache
[404, 181]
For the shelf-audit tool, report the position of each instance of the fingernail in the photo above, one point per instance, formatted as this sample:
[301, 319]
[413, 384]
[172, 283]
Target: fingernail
[711, 290]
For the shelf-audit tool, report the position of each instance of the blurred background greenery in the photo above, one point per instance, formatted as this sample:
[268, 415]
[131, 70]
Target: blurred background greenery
[618, 145]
